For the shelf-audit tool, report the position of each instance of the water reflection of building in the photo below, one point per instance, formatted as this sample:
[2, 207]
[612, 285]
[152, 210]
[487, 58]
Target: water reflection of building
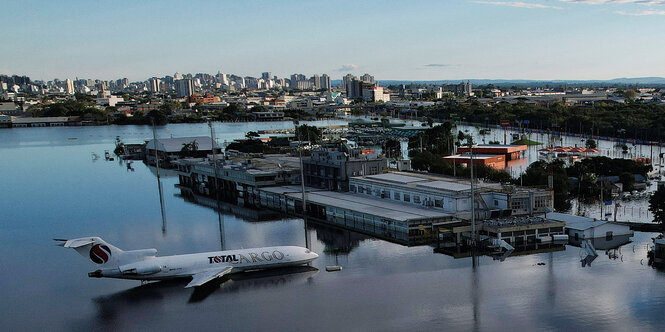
[337, 240]
[249, 214]
[520, 250]
[170, 149]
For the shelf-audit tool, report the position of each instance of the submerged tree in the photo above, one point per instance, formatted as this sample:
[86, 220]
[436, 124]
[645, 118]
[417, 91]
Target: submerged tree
[657, 205]
[189, 149]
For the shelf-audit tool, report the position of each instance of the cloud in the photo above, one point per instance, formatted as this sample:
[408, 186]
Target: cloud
[436, 65]
[518, 4]
[642, 13]
[348, 67]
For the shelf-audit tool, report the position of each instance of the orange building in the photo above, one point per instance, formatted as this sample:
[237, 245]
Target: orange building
[511, 152]
[497, 162]
[206, 99]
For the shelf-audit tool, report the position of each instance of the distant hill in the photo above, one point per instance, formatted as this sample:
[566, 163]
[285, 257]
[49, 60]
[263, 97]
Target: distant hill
[648, 81]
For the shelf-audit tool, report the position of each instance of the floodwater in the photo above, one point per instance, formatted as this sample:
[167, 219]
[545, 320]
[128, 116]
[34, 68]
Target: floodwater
[52, 188]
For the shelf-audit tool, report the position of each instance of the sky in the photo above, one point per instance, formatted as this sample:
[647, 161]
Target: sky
[392, 40]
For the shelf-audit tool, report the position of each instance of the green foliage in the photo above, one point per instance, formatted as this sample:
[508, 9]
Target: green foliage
[437, 140]
[65, 108]
[232, 109]
[158, 117]
[638, 119]
[628, 181]
[249, 146]
[657, 205]
[309, 133]
[252, 135]
[525, 141]
[189, 149]
[604, 166]
[169, 106]
[537, 175]
[392, 148]
[591, 143]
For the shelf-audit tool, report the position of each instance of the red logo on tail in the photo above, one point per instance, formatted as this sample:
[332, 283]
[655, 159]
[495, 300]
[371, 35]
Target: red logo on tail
[100, 253]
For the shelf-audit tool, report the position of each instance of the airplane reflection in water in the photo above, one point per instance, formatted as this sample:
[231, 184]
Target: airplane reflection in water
[128, 302]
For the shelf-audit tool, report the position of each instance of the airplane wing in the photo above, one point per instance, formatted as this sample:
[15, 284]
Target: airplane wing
[208, 275]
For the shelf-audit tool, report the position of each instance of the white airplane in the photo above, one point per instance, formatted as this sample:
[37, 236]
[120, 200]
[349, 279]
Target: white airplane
[201, 267]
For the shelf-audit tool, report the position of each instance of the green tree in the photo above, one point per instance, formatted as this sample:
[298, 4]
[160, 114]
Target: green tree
[232, 109]
[392, 148]
[252, 135]
[628, 181]
[158, 117]
[537, 175]
[189, 149]
[309, 133]
[657, 205]
[591, 143]
[259, 108]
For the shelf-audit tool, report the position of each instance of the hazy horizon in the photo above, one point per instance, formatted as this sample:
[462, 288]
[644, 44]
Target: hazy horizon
[540, 40]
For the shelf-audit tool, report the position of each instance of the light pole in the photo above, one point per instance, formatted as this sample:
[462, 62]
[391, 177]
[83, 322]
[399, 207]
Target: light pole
[473, 199]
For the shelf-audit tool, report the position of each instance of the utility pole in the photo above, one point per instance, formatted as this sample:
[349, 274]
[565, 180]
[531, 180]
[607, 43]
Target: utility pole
[219, 208]
[159, 181]
[302, 186]
[473, 200]
[602, 202]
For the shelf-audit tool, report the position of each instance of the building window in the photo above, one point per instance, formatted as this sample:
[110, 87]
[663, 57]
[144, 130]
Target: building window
[407, 198]
[438, 203]
[352, 188]
[609, 236]
[396, 196]
[416, 199]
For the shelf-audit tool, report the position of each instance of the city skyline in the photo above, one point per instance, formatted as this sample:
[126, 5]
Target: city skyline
[454, 40]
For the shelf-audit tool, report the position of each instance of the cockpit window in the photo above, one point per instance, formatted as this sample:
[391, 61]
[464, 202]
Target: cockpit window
[307, 251]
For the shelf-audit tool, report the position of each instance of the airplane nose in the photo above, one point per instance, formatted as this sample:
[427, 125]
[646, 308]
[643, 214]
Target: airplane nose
[315, 255]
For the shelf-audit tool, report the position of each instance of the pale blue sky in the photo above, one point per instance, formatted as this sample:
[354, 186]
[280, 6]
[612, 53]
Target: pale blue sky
[527, 39]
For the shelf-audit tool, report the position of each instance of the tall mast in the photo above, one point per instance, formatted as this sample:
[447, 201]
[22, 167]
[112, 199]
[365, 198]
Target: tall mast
[214, 164]
[159, 181]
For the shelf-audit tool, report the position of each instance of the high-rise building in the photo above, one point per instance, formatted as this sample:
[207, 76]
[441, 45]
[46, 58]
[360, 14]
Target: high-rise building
[367, 78]
[69, 87]
[266, 75]
[153, 84]
[184, 88]
[296, 81]
[316, 82]
[325, 82]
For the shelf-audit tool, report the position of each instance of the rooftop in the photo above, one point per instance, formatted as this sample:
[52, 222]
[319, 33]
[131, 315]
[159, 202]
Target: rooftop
[361, 203]
[176, 144]
[429, 182]
[475, 156]
[575, 222]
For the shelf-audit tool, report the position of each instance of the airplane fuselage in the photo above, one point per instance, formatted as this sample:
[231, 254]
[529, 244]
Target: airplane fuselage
[180, 266]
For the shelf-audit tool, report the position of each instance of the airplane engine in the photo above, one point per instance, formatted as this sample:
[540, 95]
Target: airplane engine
[141, 268]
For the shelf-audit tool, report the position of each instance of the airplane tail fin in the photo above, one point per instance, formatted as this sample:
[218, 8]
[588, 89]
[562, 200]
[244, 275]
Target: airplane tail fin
[94, 249]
